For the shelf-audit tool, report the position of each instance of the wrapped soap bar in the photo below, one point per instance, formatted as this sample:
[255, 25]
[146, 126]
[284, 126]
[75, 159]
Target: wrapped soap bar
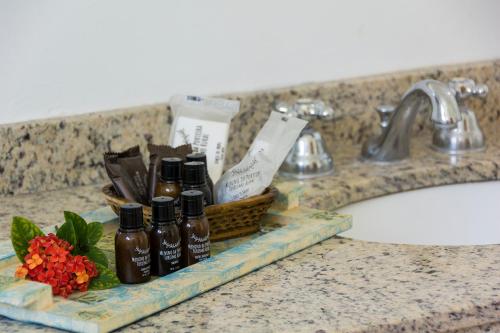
[203, 123]
[256, 170]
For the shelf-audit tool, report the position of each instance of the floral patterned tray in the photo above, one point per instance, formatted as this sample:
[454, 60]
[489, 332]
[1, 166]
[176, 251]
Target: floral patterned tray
[283, 233]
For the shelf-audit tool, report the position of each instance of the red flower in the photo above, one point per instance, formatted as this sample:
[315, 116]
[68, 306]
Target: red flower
[21, 272]
[49, 261]
[33, 260]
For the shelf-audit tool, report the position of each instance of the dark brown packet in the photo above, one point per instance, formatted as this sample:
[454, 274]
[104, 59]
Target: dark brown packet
[120, 180]
[156, 153]
[136, 170]
[128, 173]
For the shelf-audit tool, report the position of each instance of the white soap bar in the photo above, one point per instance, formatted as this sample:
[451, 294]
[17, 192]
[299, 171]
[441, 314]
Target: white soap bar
[256, 170]
[203, 123]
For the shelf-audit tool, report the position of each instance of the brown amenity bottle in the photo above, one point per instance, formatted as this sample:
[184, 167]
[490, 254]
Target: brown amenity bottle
[195, 179]
[132, 246]
[201, 157]
[195, 233]
[169, 184]
[164, 237]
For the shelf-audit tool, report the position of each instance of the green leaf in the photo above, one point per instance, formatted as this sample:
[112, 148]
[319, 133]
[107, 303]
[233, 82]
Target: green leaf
[80, 227]
[97, 256]
[94, 232]
[21, 232]
[107, 279]
[67, 232]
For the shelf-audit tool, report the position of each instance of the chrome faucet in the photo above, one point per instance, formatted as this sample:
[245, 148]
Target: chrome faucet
[467, 135]
[308, 158]
[394, 142]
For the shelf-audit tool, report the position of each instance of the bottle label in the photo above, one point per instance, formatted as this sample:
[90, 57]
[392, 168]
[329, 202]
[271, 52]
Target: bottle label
[142, 260]
[171, 253]
[199, 247]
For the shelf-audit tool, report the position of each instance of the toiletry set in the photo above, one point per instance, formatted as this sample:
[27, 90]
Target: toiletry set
[176, 238]
[171, 211]
[174, 213]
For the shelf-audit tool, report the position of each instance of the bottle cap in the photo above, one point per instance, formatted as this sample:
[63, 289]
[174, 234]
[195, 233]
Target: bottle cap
[197, 157]
[192, 203]
[131, 216]
[163, 210]
[194, 173]
[171, 168]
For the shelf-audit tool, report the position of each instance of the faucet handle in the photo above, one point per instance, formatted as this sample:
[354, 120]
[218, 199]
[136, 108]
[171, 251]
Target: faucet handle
[309, 109]
[385, 113]
[306, 108]
[282, 107]
[465, 88]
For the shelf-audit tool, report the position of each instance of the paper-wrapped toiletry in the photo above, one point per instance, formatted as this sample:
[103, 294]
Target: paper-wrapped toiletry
[203, 123]
[256, 171]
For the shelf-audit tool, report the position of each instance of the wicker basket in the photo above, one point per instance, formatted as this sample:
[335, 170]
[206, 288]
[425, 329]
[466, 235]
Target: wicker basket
[228, 220]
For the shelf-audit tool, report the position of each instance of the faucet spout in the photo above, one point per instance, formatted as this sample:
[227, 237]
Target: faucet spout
[432, 95]
[445, 111]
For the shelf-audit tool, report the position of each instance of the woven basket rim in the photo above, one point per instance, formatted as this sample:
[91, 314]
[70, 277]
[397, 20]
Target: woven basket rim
[269, 193]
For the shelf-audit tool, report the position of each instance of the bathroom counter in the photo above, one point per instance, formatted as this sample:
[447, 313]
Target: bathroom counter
[339, 284]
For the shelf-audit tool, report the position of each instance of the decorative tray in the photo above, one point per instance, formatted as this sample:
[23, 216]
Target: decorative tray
[282, 233]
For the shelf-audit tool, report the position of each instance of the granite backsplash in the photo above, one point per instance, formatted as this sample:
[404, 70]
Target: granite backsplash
[57, 153]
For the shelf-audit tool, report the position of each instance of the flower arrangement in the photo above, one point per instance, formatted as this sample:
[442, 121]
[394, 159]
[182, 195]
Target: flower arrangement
[68, 261]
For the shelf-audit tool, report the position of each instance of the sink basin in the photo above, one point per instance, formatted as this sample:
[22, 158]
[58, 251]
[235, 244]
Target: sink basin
[464, 214]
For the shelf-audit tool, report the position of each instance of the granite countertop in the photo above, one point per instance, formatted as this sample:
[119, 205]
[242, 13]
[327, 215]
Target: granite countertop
[339, 284]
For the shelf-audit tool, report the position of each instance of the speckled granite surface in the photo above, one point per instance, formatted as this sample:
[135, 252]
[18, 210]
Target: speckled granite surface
[46, 208]
[356, 180]
[57, 153]
[340, 284]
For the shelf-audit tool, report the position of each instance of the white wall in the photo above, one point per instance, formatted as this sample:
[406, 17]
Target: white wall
[62, 57]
